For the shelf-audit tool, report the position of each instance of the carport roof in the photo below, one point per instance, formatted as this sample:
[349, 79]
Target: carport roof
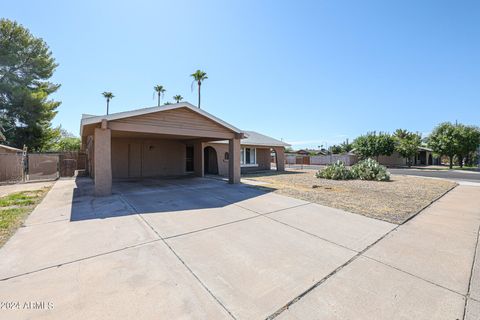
[88, 119]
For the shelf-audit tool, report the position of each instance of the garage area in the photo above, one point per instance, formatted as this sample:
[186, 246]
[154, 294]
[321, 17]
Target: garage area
[156, 142]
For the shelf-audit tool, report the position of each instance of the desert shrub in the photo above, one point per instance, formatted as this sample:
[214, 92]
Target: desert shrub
[370, 169]
[336, 171]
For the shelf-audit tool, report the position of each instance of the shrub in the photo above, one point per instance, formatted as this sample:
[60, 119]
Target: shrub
[336, 171]
[370, 169]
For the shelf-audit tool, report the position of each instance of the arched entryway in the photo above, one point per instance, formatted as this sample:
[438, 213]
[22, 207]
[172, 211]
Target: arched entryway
[210, 161]
[273, 159]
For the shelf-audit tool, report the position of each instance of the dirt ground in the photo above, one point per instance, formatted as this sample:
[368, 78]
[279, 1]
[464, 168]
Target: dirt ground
[394, 201]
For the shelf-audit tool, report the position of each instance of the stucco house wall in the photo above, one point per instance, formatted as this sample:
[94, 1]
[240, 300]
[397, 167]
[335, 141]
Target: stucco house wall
[263, 158]
[134, 158]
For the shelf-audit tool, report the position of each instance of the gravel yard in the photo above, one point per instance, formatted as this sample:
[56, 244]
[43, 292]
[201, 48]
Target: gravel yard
[393, 201]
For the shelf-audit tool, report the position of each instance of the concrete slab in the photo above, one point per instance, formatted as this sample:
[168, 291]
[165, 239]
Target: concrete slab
[257, 200]
[472, 312]
[475, 282]
[256, 266]
[45, 245]
[435, 247]
[73, 200]
[366, 290]
[178, 200]
[146, 282]
[56, 204]
[169, 224]
[353, 231]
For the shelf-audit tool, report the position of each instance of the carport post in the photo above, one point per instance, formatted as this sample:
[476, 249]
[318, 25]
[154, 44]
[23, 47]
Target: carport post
[234, 161]
[103, 160]
[198, 158]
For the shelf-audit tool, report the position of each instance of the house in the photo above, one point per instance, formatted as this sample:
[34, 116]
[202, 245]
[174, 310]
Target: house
[172, 140]
[424, 157]
[9, 150]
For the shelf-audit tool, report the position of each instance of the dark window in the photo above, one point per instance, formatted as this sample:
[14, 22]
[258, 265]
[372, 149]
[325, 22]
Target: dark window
[247, 155]
[227, 156]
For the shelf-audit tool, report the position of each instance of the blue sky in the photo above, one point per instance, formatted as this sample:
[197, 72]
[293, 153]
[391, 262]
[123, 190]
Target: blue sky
[307, 72]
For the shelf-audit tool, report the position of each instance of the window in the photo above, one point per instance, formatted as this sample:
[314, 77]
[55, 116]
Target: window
[248, 157]
[226, 156]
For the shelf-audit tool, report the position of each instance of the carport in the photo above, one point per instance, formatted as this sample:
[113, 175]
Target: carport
[154, 142]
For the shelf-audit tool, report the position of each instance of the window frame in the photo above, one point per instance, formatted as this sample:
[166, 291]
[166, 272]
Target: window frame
[243, 153]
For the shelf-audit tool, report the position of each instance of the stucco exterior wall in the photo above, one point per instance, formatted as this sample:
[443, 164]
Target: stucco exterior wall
[133, 158]
[263, 158]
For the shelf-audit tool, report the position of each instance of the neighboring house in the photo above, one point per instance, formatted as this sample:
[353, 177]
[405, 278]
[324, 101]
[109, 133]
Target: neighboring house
[9, 150]
[423, 157]
[171, 140]
[308, 152]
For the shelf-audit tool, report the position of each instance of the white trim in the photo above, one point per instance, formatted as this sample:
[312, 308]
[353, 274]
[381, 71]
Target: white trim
[242, 151]
[88, 119]
[249, 165]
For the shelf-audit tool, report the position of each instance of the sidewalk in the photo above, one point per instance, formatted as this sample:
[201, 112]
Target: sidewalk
[423, 264]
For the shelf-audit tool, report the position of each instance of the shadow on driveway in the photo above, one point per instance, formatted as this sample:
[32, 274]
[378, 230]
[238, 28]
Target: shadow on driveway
[150, 195]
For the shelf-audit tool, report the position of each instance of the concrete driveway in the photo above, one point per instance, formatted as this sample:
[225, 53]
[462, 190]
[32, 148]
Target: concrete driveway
[203, 249]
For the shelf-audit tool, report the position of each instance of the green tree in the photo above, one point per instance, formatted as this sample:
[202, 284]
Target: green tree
[65, 142]
[468, 142]
[160, 91]
[335, 149]
[444, 141]
[199, 76]
[407, 143]
[178, 98]
[26, 65]
[374, 145]
[108, 96]
[346, 146]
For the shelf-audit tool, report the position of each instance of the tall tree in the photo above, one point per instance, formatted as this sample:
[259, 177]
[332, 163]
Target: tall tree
[468, 142]
[160, 92]
[178, 98]
[26, 65]
[444, 141]
[199, 76]
[346, 146]
[108, 96]
[374, 145]
[407, 143]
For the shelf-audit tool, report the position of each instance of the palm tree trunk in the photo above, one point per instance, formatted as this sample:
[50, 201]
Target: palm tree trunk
[108, 102]
[158, 100]
[199, 84]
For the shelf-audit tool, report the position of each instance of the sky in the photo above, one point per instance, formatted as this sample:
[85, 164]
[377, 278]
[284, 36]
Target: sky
[308, 72]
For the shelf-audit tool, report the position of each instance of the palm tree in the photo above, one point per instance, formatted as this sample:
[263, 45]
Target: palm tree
[160, 91]
[177, 98]
[199, 76]
[109, 96]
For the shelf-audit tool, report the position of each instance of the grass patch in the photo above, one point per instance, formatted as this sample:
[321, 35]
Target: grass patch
[14, 208]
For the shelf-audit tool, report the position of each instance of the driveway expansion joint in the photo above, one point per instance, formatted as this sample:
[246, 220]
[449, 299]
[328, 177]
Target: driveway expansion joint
[181, 260]
[471, 275]
[79, 259]
[355, 257]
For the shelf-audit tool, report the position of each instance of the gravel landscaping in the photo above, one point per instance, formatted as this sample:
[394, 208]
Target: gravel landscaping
[394, 201]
